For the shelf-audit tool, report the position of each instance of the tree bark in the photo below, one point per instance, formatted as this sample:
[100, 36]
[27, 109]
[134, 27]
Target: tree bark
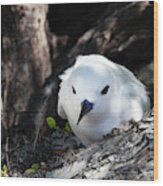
[25, 57]
[127, 154]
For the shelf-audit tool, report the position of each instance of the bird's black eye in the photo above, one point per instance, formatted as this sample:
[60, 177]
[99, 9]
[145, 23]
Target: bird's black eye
[73, 90]
[105, 90]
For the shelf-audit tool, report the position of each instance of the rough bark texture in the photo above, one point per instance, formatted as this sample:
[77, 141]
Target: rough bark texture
[117, 35]
[32, 59]
[127, 154]
[25, 57]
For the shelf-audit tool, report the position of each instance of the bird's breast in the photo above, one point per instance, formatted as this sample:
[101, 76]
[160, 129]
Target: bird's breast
[93, 131]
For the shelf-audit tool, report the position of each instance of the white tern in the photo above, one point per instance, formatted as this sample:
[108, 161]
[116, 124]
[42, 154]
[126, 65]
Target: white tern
[97, 95]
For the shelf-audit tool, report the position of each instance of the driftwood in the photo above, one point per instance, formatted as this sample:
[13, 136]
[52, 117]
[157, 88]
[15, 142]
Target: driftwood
[126, 154]
[32, 59]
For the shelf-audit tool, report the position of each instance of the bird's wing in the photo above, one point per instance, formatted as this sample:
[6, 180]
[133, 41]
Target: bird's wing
[133, 89]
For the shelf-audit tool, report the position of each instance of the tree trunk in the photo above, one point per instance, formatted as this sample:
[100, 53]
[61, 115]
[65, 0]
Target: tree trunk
[25, 57]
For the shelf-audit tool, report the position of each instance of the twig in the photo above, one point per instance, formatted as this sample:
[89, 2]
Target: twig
[6, 152]
[36, 138]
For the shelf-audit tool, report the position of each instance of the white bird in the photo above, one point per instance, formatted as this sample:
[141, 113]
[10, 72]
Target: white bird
[97, 95]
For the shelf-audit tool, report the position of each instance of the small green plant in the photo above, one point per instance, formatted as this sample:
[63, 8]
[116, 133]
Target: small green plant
[51, 122]
[67, 127]
[4, 171]
[35, 166]
[33, 169]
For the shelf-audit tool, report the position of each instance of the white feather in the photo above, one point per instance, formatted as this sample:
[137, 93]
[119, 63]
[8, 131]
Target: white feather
[126, 99]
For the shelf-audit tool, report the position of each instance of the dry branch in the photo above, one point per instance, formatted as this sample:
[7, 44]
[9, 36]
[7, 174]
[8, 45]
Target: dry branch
[127, 155]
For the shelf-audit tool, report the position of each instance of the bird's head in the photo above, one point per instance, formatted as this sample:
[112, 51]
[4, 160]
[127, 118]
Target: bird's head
[91, 88]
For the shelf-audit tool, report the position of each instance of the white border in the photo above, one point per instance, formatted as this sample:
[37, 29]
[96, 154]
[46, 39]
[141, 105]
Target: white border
[49, 182]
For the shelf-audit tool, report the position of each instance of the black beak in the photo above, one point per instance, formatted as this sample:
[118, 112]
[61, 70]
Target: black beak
[86, 107]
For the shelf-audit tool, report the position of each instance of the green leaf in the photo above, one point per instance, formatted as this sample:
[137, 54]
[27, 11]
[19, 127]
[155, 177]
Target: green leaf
[30, 171]
[5, 168]
[51, 122]
[35, 166]
[68, 128]
[4, 171]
